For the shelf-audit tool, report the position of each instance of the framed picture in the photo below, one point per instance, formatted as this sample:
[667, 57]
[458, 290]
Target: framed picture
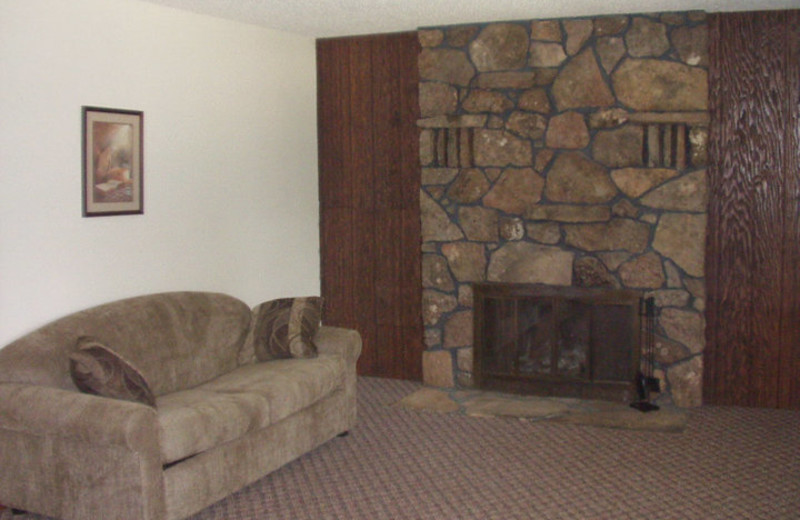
[113, 173]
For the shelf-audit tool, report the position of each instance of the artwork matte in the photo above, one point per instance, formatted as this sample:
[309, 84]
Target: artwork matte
[113, 175]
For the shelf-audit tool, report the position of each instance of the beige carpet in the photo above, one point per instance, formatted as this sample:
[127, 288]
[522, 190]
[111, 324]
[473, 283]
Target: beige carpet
[476, 403]
[401, 464]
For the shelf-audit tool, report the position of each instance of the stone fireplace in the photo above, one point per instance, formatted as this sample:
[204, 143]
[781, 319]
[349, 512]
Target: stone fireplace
[566, 153]
[557, 341]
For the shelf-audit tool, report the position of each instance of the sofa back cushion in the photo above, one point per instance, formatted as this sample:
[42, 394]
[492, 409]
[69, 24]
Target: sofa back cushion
[176, 340]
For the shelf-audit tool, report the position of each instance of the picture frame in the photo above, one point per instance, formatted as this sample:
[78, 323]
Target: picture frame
[113, 164]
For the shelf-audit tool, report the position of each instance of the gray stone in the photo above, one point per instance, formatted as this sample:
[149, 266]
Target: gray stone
[546, 30]
[608, 25]
[674, 280]
[543, 158]
[654, 85]
[625, 208]
[573, 177]
[588, 271]
[686, 193]
[681, 238]
[667, 351]
[619, 233]
[619, 147]
[578, 33]
[435, 176]
[435, 274]
[672, 18]
[437, 98]
[436, 224]
[686, 382]
[499, 148]
[684, 326]
[435, 304]
[642, 272]
[610, 50]
[698, 141]
[511, 228]
[510, 80]
[544, 232]
[479, 223]
[517, 190]
[524, 262]
[464, 359]
[448, 65]
[535, 100]
[692, 44]
[696, 286]
[437, 368]
[527, 124]
[567, 130]
[671, 297]
[581, 84]
[432, 337]
[500, 46]
[614, 259]
[430, 37]
[545, 54]
[479, 100]
[460, 36]
[646, 38]
[458, 330]
[634, 182]
[465, 295]
[545, 76]
[467, 260]
[469, 186]
[609, 118]
[569, 213]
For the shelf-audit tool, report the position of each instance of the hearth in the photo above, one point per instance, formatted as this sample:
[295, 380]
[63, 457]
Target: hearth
[557, 341]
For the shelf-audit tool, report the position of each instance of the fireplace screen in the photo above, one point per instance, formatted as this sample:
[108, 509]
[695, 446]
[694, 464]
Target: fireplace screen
[557, 341]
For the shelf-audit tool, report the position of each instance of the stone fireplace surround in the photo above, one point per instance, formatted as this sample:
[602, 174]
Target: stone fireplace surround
[569, 153]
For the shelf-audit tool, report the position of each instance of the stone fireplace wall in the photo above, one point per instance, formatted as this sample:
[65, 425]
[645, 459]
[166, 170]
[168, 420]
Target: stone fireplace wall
[566, 152]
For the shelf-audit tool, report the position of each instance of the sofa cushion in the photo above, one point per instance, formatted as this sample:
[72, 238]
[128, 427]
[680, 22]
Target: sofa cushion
[286, 327]
[98, 370]
[248, 398]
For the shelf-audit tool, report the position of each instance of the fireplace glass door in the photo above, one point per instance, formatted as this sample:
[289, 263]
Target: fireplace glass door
[562, 341]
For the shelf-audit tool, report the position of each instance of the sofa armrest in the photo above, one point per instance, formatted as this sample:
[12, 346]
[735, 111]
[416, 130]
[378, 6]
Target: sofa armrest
[74, 455]
[339, 341]
[42, 410]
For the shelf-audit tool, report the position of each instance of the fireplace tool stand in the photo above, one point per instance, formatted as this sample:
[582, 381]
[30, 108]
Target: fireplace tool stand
[645, 381]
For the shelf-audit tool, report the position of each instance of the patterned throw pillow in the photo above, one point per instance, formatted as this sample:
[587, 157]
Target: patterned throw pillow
[98, 370]
[285, 328]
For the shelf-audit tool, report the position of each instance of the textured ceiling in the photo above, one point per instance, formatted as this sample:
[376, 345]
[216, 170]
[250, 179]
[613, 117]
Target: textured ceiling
[323, 18]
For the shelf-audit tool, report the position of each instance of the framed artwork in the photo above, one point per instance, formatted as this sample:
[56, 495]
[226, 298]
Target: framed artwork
[113, 173]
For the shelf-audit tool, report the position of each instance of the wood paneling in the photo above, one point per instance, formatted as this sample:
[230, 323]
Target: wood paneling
[752, 246]
[789, 385]
[369, 197]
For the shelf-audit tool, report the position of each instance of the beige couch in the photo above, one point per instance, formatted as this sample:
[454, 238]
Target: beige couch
[222, 419]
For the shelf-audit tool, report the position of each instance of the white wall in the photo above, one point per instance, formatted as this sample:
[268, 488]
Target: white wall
[230, 153]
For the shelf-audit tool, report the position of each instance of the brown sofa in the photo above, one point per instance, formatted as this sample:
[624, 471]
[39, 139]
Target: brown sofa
[222, 415]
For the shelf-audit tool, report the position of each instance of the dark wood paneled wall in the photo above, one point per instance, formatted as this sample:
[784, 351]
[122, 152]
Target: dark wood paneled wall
[752, 356]
[369, 181]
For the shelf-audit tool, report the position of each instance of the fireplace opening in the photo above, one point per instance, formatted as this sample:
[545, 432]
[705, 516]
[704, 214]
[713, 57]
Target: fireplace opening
[557, 341]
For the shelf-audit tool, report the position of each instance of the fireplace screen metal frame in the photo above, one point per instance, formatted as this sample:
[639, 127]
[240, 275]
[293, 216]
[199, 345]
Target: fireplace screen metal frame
[557, 341]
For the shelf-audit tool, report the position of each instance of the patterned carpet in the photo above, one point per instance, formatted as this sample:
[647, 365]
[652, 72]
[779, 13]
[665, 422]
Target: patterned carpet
[729, 463]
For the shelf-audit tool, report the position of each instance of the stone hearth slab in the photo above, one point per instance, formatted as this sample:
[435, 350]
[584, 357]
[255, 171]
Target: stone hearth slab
[476, 403]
